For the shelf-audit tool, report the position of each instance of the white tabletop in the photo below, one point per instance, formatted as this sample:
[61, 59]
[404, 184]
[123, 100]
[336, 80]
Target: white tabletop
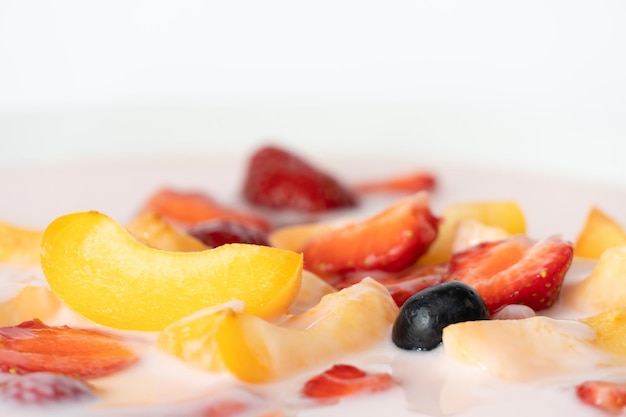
[535, 85]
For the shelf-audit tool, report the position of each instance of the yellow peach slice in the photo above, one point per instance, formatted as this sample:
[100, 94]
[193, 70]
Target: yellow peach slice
[19, 246]
[153, 230]
[599, 233]
[605, 287]
[526, 349]
[609, 327]
[257, 351]
[99, 270]
[30, 302]
[506, 215]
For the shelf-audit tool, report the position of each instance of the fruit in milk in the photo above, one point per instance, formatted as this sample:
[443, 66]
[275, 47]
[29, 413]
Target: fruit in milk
[153, 230]
[278, 179]
[19, 246]
[507, 215]
[25, 294]
[99, 270]
[599, 233]
[390, 241]
[527, 349]
[603, 289]
[256, 350]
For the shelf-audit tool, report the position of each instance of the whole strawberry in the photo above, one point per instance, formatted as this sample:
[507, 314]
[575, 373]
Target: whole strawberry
[278, 179]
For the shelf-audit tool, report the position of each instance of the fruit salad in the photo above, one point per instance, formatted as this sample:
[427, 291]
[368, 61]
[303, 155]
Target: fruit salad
[312, 294]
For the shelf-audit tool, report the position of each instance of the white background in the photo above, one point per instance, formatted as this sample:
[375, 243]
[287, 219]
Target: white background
[536, 85]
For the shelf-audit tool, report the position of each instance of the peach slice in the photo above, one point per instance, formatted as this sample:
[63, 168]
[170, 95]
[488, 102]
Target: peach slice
[527, 349]
[604, 289]
[599, 233]
[609, 328]
[19, 246]
[257, 351]
[30, 302]
[506, 215]
[99, 270]
[153, 230]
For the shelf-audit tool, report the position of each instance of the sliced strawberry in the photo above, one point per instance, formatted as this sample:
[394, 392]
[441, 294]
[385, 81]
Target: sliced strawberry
[514, 271]
[607, 396]
[278, 179]
[409, 183]
[390, 241]
[403, 284]
[34, 347]
[341, 380]
[45, 388]
[191, 208]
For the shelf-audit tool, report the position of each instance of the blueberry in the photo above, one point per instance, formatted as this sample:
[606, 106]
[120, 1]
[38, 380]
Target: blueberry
[420, 323]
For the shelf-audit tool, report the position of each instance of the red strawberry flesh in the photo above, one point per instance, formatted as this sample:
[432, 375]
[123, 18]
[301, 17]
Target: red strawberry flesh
[514, 271]
[188, 208]
[607, 396]
[390, 241]
[342, 380]
[33, 346]
[279, 179]
[40, 388]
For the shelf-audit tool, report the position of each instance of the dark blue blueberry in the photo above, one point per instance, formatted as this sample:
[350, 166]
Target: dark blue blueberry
[420, 323]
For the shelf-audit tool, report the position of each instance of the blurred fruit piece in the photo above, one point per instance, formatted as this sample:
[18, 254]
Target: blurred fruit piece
[605, 288]
[255, 350]
[506, 215]
[154, 231]
[342, 380]
[99, 270]
[279, 179]
[408, 183]
[515, 270]
[32, 301]
[312, 289]
[19, 246]
[190, 208]
[599, 233]
[214, 233]
[609, 327]
[470, 232]
[402, 284]
[34, 347]
[526, 349]
[389, 241]
[607, 396]
[295, 236]
[45, 388]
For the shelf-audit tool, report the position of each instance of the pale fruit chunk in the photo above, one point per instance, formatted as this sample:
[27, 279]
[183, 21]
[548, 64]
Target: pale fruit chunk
[599, 233]
[99, 270]
[255, 350]
[605, 288]
[312, 289]
[19, 246]
[506, 215]
[526, 349]
[30, 302]
[609, 327]
[153, 230]
[294, 237]
[470, 232]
